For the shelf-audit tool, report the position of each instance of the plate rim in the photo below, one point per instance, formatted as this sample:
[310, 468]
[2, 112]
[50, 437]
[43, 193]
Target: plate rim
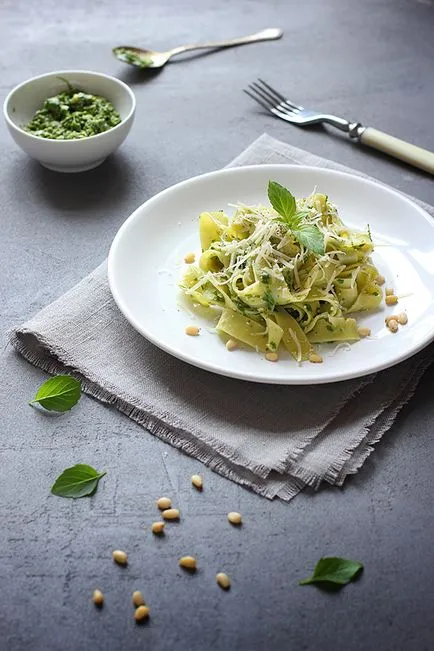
[247, 377]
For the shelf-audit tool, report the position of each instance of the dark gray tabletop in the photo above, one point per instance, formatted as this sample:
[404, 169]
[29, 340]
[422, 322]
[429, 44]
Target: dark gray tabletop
[371, 61]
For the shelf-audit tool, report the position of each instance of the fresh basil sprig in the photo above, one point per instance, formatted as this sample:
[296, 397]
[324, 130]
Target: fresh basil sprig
[79, 481]
[283, 202]
[59, 393]
[334, 570]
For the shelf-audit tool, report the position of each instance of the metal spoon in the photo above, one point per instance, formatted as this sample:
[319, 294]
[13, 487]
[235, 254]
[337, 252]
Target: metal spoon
[149, 59]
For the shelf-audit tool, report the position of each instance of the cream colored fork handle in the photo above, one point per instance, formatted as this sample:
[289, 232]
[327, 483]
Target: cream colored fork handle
[416, 156]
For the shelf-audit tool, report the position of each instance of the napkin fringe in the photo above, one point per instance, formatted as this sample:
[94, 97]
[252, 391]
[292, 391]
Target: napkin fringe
[374, 436]
[55, 361]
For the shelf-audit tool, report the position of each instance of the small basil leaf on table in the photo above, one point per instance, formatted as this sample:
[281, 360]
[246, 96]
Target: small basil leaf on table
[59, 393]
[334, 570]
[79, 481]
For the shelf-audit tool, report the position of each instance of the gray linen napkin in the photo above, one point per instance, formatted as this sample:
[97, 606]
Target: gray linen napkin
[274, 439]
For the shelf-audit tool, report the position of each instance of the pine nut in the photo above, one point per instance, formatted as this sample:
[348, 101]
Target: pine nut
[393, 325]
[223, 580]
[390, 317]
[120, 557]
[197, 482]
[231, 344]
[137, 598]
[234, 517]
[189, 258]
[141, 613]
[171, 514]
[391, 299]
[272, 357]
[157, 528]
[364, 332]
[380, 280]
[192, 330]
[388, 291]
[315, 358]
[98, 598]
[188, 562]
[164, 503]
[402, 318]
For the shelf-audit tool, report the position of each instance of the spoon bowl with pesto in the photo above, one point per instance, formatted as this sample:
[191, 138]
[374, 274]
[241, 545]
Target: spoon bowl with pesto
[70, 121]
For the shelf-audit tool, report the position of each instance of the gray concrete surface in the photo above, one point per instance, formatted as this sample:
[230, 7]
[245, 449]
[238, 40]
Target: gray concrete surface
[371, 60]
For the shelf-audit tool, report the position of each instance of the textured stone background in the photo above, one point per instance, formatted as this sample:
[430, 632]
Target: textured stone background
[370, 60]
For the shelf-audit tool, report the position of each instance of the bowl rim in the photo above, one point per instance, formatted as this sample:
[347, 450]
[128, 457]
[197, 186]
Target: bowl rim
[55, 73]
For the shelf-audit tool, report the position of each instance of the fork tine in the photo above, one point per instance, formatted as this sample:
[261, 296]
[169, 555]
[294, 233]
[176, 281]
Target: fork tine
[278, 96]
[257, 90]
[258, 93]
[267, 107]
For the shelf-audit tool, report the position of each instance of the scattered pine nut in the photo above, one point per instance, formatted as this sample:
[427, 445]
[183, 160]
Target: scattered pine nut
[189, 258]
[315, 358]
[141, 613]
[388, 291]
[192, 330]
[187, 562]
[390, 317]
[223, 580]
[171, 514]
[157, 528]
[98, 598]
[120, 557]
[164, 503]
[391, 299]
[137, 598]
[380, 280]
[231, 344]
[402, 318]
[234, 517]
[197, 482]
[272, 357]
[393, 325]
[364, 332]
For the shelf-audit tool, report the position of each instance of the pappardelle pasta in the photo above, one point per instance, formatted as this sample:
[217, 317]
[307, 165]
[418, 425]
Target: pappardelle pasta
[286, 275]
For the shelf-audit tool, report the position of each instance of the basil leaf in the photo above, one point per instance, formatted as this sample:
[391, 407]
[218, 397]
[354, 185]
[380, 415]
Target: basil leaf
[334, 570]
[310, 237]
[59, 393]
[282, 201]
[79, 481]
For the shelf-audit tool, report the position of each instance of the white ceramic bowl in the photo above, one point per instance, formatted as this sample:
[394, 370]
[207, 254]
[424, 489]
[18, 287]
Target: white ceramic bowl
[68, 155]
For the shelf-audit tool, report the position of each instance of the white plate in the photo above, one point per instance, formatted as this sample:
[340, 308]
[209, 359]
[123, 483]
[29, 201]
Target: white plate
[146, 261]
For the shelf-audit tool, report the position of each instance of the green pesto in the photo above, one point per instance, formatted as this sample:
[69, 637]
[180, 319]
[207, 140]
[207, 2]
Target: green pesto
[72, 115]
[129, 56]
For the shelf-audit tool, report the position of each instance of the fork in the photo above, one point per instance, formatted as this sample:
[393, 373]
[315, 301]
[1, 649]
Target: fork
[273, 102]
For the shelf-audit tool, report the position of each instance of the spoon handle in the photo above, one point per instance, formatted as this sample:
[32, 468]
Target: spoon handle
[265, 35]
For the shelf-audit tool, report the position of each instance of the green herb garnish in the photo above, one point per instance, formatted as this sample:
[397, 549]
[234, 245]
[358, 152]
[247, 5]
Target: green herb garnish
[283, 202]
[59, 393]
[269, 299]
[79, 481]
[334, 571]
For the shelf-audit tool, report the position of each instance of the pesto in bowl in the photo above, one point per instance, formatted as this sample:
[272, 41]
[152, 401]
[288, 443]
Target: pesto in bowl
[73, 114]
